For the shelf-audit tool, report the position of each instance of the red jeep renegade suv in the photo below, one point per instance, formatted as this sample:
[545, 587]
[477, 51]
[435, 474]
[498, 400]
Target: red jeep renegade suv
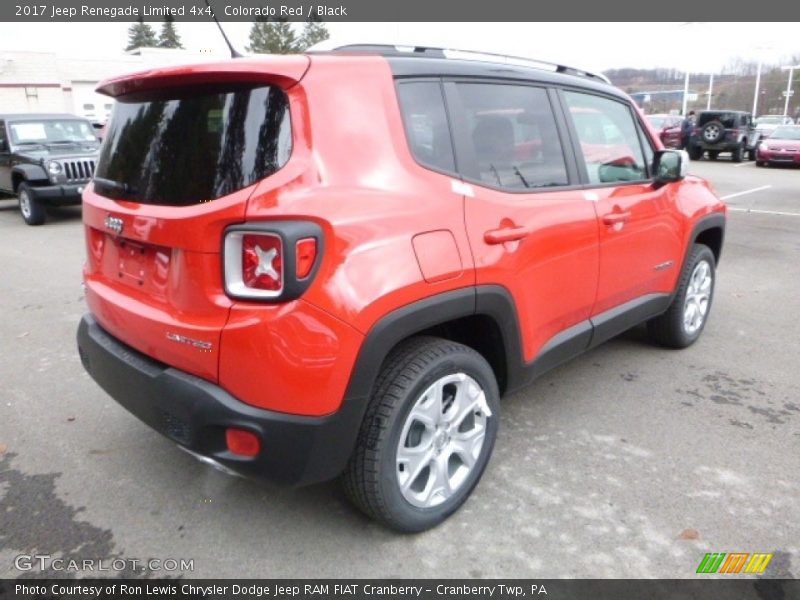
[300, 267]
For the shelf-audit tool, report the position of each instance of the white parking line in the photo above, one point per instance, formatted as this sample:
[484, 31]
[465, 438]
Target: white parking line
[737, 194]
[744, 164]
[763, 212]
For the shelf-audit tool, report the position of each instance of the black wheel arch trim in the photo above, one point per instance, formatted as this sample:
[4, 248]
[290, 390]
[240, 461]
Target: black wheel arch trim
[715, 220]
[400, 324]
[30, 173]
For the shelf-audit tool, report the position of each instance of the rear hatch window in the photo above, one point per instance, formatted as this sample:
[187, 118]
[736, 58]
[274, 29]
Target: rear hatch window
[185, 146]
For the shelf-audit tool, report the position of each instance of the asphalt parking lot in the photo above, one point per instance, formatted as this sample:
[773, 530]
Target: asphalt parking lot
[631, 461]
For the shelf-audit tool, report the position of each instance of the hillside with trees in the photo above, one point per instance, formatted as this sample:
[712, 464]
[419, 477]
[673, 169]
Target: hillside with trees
[733, 87]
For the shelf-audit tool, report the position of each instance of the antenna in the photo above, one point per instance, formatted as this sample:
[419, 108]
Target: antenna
[234, 53]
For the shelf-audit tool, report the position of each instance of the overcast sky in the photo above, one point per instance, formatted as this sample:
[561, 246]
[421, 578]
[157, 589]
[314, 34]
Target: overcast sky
[699, 47]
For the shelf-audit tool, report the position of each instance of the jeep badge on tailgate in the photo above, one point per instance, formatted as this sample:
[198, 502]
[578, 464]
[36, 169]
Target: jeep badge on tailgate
[114, 224]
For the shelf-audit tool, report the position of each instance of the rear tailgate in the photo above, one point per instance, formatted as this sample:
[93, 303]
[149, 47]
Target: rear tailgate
[173, 173]
[157, 284]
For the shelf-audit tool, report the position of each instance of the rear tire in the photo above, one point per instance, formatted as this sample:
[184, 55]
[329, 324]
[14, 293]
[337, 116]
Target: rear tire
[737, 154]
[427, 435]
[686, 317]
[695, 153]
[31, 209]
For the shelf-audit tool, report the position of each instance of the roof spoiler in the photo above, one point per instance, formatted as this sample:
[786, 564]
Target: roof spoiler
[284, 71]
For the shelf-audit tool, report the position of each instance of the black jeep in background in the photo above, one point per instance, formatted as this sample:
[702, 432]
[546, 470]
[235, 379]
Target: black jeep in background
[718, 131]
[45, 160]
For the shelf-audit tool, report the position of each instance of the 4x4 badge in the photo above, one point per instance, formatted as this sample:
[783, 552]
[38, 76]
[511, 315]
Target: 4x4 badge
[115, 224]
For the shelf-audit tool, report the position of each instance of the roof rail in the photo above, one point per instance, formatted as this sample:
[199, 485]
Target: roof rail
[434, 52]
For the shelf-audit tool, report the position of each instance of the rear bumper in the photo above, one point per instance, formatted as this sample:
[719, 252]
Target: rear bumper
[724, 146]
[61, 195]
[295, 450]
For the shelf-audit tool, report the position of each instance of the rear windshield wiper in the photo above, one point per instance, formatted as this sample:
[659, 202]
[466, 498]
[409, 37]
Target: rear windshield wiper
[114, 185]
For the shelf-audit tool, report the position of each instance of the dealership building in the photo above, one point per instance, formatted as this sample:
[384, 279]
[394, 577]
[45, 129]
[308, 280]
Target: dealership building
[48, 82]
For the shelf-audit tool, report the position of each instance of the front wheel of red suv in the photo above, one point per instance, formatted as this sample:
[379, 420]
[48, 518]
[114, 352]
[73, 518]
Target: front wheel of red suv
[427, 435]
[686, 317]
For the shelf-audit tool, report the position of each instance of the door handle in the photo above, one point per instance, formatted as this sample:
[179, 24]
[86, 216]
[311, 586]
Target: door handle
[616, 217]
[506, 234]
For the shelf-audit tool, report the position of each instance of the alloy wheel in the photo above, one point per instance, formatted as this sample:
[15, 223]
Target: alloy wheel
[441, 440]
[25, 204]
[698, 295]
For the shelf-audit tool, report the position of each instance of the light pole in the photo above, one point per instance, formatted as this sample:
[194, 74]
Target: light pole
[758, 83]
[788, 86]
[684, 107]
[760, 50]
[685, 93]
[710, 90]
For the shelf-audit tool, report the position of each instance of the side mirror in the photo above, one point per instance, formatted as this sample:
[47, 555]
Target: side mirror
[670, 165]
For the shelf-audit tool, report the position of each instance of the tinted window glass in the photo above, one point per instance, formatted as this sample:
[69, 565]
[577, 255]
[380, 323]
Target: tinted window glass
[514, 136]
[193, 147]
[608, 137]
[647, 147]
[426, 125]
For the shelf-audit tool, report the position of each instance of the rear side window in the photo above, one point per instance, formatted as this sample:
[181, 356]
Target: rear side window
[514, 136]
[425, 118]
[188, 146]
[608, 136]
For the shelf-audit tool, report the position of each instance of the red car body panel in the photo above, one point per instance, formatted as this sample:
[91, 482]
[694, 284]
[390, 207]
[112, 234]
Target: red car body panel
[561, 237]
[642, 217]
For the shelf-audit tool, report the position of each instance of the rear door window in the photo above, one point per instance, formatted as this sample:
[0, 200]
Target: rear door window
[427, 129]
[512, 133]
[191, 145]
[609, 139]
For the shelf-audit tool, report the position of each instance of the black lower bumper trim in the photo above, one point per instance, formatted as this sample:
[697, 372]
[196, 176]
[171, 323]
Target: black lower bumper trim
[58, 195]
[296, 450]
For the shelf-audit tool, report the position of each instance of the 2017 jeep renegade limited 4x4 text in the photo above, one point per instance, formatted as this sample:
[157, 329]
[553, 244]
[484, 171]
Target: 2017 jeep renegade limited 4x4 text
[336, 263]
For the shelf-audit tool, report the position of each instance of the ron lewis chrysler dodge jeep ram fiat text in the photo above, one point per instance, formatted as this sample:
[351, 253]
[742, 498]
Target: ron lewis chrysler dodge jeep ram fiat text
[301, 267]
